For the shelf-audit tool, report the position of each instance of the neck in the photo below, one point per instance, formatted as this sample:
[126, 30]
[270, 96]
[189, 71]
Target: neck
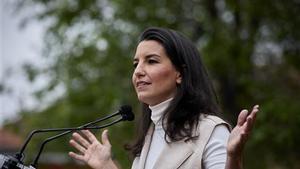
[158, 110]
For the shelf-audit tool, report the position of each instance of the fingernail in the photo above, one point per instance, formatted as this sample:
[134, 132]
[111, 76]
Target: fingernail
[245, 110]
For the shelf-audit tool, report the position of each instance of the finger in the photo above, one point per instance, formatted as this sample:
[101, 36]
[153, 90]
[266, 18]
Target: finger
[248, 125]
[77, 137]
[76, 156]
[256, 106]
[80, 148]
[253, 115]
[242, 117]
[90, 136]
[251, 119]
[254, 110]
[105, 139]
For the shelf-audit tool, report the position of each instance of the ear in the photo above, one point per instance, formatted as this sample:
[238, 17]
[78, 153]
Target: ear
[178, 78]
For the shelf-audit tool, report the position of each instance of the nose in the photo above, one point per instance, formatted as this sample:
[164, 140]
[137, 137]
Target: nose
[139, 70]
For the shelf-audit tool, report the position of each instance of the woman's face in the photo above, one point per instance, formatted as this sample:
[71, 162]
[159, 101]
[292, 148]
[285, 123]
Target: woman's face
[154, 77]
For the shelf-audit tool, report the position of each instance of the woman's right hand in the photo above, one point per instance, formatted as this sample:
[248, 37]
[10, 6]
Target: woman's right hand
[92, 152]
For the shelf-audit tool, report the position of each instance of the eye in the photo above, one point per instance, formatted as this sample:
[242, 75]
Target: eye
[152, 61]
[135, 64]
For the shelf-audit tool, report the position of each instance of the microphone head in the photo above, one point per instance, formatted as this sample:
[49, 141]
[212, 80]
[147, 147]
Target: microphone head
[126, 113]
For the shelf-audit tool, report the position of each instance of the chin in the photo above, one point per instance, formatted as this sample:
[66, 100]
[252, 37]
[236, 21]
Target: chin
[144, 99]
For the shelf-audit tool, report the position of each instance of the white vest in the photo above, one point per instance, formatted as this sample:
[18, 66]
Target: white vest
[180, 154]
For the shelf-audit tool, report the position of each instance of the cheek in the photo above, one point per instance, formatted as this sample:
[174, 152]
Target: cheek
[132, 80]
[164, 76]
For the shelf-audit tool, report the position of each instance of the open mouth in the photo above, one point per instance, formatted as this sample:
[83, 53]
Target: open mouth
[141, 84]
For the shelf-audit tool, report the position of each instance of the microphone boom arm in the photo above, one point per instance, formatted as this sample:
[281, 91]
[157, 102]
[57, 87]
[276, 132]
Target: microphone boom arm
[20, 155]
[69, 130]
[13, 162]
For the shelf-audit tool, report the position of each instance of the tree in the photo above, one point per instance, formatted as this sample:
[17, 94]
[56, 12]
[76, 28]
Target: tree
[251, 49]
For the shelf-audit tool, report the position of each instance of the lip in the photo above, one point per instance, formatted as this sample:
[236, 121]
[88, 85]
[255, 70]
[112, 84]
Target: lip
[141, 84]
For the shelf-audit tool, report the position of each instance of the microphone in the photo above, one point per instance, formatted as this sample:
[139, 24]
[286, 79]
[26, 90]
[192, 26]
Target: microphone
[126, 113]
[10, 162]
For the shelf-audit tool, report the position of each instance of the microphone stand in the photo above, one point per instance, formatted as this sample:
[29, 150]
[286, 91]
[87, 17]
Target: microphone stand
[15, 162]
[20, 155]
[34, 164]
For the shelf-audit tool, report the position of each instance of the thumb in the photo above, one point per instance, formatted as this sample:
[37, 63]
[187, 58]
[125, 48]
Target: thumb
[105, 140]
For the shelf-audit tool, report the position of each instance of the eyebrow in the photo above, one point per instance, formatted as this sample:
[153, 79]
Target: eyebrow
[148, 56]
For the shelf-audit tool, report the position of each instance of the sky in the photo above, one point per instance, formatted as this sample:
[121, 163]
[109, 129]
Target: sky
[18, 46]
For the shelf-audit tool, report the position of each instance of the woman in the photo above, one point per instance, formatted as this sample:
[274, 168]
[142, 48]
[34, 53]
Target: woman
[180, 127]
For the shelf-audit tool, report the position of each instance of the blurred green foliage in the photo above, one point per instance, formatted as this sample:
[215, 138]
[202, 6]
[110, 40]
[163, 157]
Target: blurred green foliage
[251, 49]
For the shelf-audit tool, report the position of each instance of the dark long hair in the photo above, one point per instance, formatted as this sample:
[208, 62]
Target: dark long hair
[194, 96]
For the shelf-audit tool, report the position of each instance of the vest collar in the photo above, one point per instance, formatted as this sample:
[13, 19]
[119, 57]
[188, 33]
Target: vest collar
[169, 158]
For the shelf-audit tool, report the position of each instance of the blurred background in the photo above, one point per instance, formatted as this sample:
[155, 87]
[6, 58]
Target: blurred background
[65, 63]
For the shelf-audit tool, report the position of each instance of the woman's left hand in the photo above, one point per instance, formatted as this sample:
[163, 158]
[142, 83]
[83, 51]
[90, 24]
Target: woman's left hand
[240, 133]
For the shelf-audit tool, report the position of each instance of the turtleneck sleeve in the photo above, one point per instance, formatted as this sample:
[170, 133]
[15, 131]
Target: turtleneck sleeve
[158, 141]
